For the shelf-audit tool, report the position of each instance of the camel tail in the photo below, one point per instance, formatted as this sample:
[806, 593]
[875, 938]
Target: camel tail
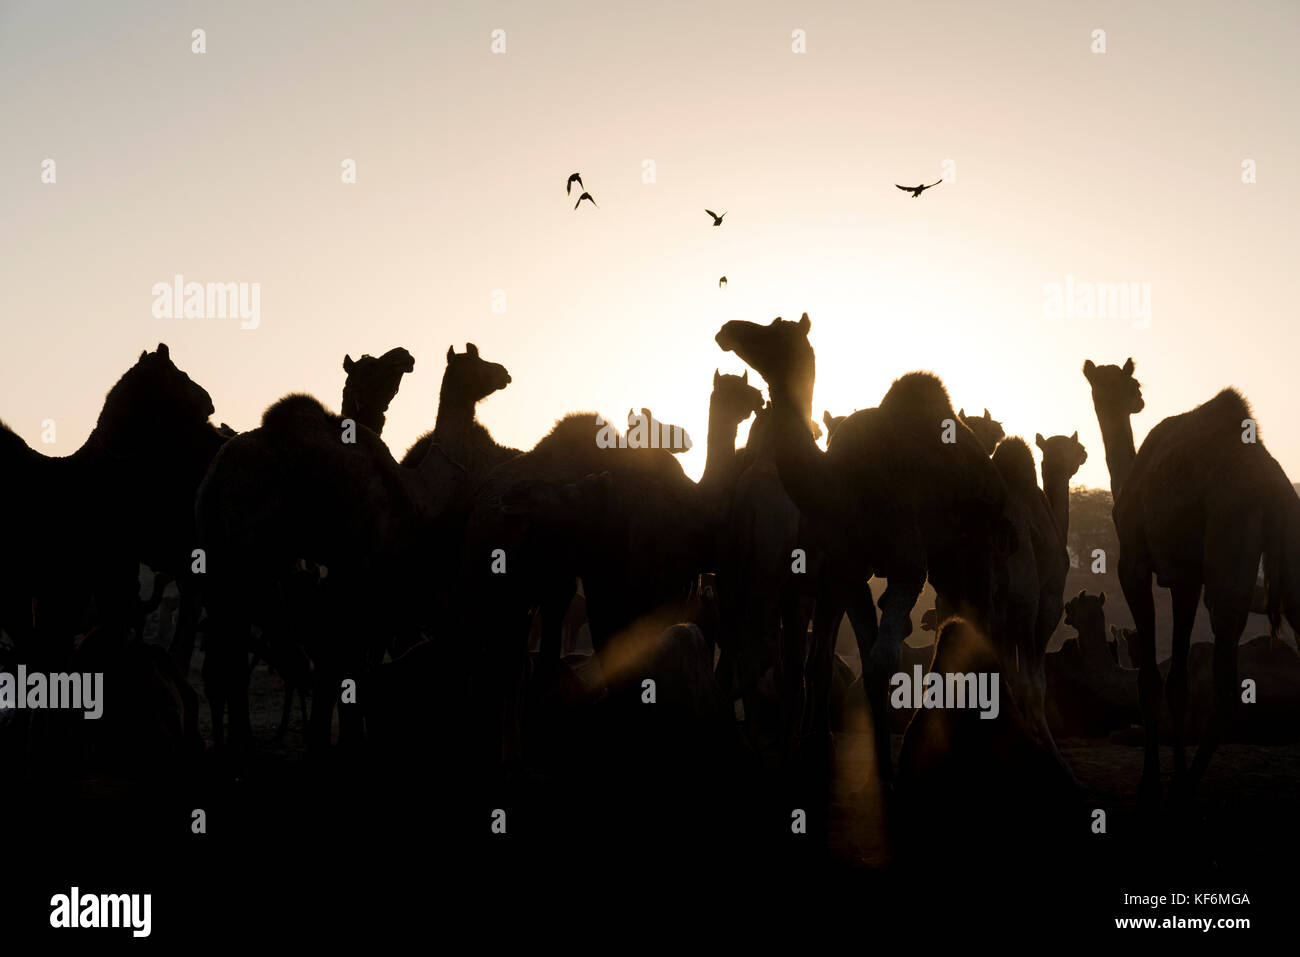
[1282, 560]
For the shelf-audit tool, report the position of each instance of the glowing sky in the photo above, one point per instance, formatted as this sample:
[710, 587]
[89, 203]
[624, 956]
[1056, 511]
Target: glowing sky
[225, 167]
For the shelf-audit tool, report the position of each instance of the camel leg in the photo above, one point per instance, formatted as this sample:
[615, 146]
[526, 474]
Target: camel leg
[821, 654]
[187, 621]
[286, 711]
[793, 649]
[896, 606]
[1034, 679]
[1185, 598]
[1228, 625]
[1136, 581]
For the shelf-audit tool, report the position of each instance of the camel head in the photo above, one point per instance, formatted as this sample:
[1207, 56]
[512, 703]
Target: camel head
[1062, 454]
[733, 398]
[1084, 613]
[469, 378]
[646, 432]
[1114, 389]
[780, 352]
[832, 423]
[372, 383]
[986, 428]
[154, 397]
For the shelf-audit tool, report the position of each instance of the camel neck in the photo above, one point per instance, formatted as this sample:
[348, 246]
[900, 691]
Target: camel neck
[1056, 486]
[1117, 436]
[351, 409]
[720, 454]
[455, 414]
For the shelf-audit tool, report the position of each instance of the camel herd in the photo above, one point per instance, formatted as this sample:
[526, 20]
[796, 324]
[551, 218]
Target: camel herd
[360, 576]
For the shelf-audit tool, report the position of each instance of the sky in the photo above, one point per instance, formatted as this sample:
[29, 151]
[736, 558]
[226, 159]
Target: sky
[226, 166]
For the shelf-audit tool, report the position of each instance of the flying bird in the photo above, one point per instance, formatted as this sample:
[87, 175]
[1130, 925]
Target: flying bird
[568, 187]
[586, 196]
[717, 220]
[722, 282]
[917, 190]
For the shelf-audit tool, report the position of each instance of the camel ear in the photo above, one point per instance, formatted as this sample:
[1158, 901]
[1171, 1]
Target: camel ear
[1038, 441]
[745, 377]
[804, 323]
[986, 414]
[348, 364]
[1102, 598]
[1075, 437]
[162, 350]
[1082, 593]
[1088, 369]
[451, 351]
[717, 378]
[471, 350]
[143, 353]
[826, 417]
[1128, 366]
[961, 414]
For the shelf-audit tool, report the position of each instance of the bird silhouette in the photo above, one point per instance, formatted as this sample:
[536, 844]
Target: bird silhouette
[717, 220]
[722, 282]
[917, 190]
[568, 187]
[586, 196]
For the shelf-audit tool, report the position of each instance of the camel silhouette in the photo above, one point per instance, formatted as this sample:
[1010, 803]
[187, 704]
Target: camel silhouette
[1036, 574]
[1062, 456]
[78, 527]
[371, 385]
[467, 381]
[1197, 506]
[1090, 694]
[986, 428]
[294, 490]
[888, 497]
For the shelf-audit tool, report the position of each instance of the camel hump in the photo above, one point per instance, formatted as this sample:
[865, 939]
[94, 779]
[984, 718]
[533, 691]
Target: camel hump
[1228, 408]
[1015, 463]
[294, 410]
[918, 394]
[574, 427]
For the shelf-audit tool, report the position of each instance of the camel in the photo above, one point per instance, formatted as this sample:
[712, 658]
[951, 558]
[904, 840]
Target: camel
[832, 422]
[638, 545]
[1062, 456]
[889, 496]
[467, 381]
[1036, 572]
[986, 428]
[81, 525]
[760, 602]
[371, 384]
[1090, 693]
[647, 431]
[1196, 506]
[293, 489]
[989, 785]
